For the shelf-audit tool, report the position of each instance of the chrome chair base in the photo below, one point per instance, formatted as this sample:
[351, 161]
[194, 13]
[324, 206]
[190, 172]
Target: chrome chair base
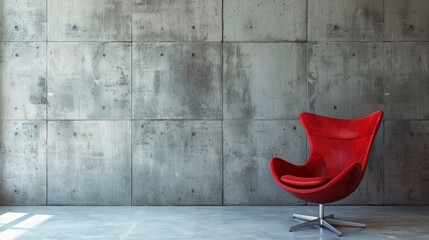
[323, 221]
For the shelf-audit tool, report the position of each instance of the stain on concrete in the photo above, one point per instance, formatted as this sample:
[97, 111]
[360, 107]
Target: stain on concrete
[23, 162]
[89, 80]
[345, 80]
[23, 84]
[406, 85]
[236, 70]
[187, 20]
[257, 75]
[103, 20]
[406, 178]
[334, 30]
[253, 20]
[96, 60]
[187, 153]
[365, 16]
[157, 82]
[184, 83]
[40, 96]
[357, 20]
[89, 163]
[23, 20]
[406, 20]
[248, 148]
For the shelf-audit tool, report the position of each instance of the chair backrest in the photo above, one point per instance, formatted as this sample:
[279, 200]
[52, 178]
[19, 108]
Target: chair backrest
[337, 143]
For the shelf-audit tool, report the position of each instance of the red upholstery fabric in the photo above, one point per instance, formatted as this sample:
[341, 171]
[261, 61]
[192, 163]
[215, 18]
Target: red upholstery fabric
[339, 151]
[304, 181]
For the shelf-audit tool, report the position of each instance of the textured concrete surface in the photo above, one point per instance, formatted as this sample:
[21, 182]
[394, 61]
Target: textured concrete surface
[186, 20]
[83, 20]
[22, 80]
[406, 167]
[177, 81]
[406, 82]
[345, 79]
[406, 20]
[89, 163]
[101, 68]
[23, 162]
[233, 223]
[338, 20]
[177, 163]
[89, 80]
[248, 149]
[23, 20]
[264, 80]
[255, 20]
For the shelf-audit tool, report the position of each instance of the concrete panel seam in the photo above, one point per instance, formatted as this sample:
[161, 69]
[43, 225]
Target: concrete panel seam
[131, 103]
[46, 62]
[222, 78]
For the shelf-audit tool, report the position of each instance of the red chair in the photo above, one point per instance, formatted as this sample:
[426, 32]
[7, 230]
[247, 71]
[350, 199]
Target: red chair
[339, 153]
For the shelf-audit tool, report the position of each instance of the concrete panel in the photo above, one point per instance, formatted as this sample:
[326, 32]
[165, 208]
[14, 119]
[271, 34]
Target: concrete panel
[186, 20]
[406, 82]
[83, 20]
[406, 151]
[339, 20]
[89, 163]
[264, 80]
[177, 80]
[89, 80]
[248, 149]
[255, 20]
[406, 20]
[345, 80]
[23, 163]
[370, 190]
[23, 20]
[177, 163]
[23, 80]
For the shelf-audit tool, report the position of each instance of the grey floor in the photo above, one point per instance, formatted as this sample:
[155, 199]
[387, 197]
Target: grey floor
[386, 222]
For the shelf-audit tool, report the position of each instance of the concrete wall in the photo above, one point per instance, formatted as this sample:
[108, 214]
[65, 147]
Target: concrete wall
[162, 102]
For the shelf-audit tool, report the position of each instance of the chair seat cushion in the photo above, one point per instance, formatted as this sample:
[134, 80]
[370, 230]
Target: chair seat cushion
[304, 181]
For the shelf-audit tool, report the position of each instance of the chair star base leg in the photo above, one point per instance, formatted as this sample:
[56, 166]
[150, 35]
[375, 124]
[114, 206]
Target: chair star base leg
[323, 221]
[304, 217]
[304, 225]
[310, 218]
[339, 222]
[330, 227]
[314, 221]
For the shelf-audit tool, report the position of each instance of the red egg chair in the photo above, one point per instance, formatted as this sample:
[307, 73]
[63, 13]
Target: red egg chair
[336, 165]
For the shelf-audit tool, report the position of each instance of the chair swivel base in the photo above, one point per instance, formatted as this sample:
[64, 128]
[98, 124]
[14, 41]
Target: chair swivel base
[323, 221]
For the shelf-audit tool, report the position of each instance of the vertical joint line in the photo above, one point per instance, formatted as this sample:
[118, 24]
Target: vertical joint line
[307, 93]
[131, 103]
[384, 23]
[46, 107]
[222, 120]
[307, 96]
[306, 23]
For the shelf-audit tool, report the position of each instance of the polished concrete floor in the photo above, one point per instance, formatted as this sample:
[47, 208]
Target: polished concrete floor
[387, 222]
